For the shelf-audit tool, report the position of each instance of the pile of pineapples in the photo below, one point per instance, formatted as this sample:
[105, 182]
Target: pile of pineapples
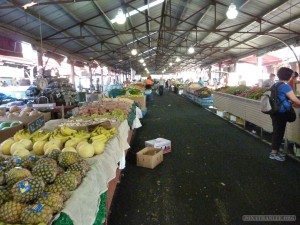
[33, 189]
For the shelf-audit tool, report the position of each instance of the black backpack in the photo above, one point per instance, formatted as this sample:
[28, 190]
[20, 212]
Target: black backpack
[268, 101]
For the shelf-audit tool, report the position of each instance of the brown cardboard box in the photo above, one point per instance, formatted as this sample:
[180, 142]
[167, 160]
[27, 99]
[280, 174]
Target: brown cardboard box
[10, 132]
[149, 157]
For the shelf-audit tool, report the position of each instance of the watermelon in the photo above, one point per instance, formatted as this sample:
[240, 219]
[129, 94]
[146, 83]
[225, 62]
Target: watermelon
[4, 124]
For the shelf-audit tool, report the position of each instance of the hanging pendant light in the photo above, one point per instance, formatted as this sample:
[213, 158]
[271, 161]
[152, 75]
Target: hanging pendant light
[133, 51]
[231, 12]
[191, 50]
[120, 18]
[177, 59]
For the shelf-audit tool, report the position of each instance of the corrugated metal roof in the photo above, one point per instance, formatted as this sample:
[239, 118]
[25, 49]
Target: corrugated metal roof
[83, 30]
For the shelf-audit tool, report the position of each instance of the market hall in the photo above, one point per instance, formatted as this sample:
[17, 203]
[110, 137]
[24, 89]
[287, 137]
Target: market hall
[96, 93]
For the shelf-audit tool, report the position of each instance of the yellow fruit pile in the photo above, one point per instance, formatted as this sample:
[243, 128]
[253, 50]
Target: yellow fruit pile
[64, 139]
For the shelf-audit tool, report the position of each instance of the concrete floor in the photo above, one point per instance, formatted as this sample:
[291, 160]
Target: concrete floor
[215, 174]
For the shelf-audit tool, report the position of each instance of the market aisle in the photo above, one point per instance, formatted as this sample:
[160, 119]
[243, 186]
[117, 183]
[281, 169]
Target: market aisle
[215, 174]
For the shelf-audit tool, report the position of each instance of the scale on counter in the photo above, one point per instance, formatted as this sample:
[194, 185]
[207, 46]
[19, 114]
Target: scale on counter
[42, 83]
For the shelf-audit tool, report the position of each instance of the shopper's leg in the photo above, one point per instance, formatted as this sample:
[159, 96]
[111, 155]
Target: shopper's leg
[279, 124]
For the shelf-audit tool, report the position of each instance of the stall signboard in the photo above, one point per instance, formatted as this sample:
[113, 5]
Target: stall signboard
[36, 124]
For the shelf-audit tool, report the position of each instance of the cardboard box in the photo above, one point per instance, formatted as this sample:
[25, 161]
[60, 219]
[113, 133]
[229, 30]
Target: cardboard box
[149, 157]
[10, 132]
[161, 143]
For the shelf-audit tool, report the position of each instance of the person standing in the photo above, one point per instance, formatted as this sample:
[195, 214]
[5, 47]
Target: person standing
[286, 95]
[269, 82]
[200, 81]
[149, 83]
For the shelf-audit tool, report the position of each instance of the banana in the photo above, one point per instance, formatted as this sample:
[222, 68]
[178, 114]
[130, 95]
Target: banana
[21, 134]
[66, 131]
[100, 137]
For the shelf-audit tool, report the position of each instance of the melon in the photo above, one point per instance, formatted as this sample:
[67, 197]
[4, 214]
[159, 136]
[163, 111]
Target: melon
[15, 146]
[38, 147]
[99, 147]
[69, 149]
[86, 151]
[27, 143]
[71, 143]
[6, 145]
[21, 152]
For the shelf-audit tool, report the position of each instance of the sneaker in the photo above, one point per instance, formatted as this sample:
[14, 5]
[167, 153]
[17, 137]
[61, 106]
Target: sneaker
[277, 157]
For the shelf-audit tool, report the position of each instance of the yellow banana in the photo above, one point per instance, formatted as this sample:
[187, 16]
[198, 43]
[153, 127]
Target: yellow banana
[66, 131]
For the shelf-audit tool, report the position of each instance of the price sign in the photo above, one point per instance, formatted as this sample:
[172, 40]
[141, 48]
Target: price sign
[36, 124]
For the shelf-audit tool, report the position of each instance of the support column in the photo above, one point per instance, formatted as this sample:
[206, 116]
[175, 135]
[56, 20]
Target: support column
[72, 72]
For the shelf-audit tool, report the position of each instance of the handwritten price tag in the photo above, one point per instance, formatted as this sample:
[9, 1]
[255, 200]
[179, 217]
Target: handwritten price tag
[36, 124]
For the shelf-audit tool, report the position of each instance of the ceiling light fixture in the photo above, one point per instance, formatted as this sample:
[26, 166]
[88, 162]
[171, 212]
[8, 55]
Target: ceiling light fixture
[170, 64]
[177, 59]
[231, 12]
[140, 9]
[121, 17]
[144, 64]
[141, 60]
[191, 50]
[29, 4]
[133, 51]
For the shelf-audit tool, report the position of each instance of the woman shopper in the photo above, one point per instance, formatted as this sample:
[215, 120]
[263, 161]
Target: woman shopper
[285, 94]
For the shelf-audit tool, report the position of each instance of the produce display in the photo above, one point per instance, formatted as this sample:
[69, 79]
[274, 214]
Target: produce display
[34, 188]
[16, 112]
[38, 171]
[243, 91]
[64, 139]
[203, 92]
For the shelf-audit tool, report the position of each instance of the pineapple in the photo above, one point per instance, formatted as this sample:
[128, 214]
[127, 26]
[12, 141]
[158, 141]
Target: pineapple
[60, 170]
[10, 212]
[16, 174]
[66, 159]
[37, 213]
[84, 164]
[46, 160]
[53, 200]
[29, 161]
[46, 171]
[2, 177]
[67, 179]
[60, 189]
[54, 154]
[28, 189]
[78, 176]
[4, 195]
[78, 167]
[14, 161]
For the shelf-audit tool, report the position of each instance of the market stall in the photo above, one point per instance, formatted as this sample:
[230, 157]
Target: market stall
[249, 110]
[84, 137]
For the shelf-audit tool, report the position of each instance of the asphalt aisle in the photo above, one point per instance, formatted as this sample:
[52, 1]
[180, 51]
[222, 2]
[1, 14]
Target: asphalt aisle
[215, 174]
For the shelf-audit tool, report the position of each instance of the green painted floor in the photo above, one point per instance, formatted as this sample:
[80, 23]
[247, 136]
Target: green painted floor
[215, 174]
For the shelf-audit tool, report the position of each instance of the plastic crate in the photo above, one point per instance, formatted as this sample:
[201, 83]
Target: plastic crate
[205, 102]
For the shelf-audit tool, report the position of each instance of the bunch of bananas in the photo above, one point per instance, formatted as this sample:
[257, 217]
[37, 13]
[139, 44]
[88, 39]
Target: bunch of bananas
[81, 135]
[67, 131]
[40, 136]
[21, 134]
[101, 134]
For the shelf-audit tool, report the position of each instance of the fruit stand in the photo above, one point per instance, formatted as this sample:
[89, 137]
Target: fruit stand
[249, 110]
[80, 157]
